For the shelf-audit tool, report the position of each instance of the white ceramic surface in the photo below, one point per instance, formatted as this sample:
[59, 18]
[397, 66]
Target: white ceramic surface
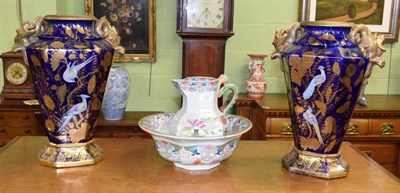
[194, 153]
[199, 115]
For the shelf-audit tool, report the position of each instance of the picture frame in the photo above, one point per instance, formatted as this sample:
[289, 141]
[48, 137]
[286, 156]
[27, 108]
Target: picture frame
[380, 16]
[135, 21]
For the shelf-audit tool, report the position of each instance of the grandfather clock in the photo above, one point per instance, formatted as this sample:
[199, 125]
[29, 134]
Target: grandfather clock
[204, 26]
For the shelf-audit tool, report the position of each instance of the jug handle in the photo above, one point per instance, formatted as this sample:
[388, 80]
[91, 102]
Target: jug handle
[235, 93]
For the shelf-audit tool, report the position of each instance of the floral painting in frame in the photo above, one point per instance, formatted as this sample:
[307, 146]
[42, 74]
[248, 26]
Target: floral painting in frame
[135, 22]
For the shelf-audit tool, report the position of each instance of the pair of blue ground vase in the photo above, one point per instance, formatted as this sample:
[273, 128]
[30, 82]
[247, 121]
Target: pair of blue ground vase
[324, 73]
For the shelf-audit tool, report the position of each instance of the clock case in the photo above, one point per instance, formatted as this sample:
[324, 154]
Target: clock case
[13, 91]
[203, 52]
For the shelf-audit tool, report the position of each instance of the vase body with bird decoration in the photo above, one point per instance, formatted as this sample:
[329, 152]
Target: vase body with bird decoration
[70, 58]
[324, 65]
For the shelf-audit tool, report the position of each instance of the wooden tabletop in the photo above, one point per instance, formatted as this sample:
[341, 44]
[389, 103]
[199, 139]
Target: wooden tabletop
[133, 165]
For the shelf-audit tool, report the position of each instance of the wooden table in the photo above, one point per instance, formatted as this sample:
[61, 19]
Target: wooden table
[133, 165]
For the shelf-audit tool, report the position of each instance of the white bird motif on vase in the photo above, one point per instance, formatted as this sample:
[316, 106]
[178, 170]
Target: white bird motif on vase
[317, 80]
[310, 118]
[74, 110]
[71, 72]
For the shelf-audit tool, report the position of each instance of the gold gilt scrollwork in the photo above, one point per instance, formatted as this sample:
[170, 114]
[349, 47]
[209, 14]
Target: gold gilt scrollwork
[371, 46]
[27, 33]
[110, 34]
[284, 40]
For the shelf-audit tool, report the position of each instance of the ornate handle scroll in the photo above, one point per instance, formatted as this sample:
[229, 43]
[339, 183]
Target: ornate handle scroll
[286, 129]
[110, 34]
[387, 128]
[285, 39]
[235, 92]
[370, 44]
[27, 33]
[372, 47]
[353, 129]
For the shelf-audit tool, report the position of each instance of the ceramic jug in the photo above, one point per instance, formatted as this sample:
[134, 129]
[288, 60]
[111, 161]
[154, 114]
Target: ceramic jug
[200, 115]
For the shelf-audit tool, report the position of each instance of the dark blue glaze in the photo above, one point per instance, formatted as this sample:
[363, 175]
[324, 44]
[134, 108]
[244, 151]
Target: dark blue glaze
[61, 43]
[333, 101]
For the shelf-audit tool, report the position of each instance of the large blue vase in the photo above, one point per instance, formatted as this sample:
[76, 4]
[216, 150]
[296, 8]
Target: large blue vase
[325, 65]
[70, 63]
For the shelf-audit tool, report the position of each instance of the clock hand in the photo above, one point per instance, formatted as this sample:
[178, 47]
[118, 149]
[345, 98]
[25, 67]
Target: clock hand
[206, 12]
[16, 73]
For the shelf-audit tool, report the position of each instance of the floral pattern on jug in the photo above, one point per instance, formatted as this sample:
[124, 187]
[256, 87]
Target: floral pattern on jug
[200, 115]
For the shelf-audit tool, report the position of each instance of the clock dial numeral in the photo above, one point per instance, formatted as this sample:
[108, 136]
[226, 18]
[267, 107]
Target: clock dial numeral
[16, 73]
[205, 13]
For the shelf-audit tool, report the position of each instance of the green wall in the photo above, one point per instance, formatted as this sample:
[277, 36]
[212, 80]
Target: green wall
[255, 23]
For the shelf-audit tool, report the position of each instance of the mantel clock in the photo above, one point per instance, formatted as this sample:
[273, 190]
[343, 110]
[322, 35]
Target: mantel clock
[18, 82]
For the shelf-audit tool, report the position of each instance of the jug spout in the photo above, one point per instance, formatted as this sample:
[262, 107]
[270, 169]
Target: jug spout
[178, 83]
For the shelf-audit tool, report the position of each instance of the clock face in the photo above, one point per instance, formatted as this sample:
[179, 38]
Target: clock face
[205, 13]
[16, 73]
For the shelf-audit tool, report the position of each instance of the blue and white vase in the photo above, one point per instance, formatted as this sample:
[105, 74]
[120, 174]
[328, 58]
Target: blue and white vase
[325, 65]
[116, 95]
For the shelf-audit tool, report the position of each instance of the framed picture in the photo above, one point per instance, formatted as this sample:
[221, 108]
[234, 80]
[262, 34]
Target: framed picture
[135, 21]
[381, 16]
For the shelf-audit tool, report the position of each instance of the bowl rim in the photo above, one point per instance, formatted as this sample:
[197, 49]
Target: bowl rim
[194, 138]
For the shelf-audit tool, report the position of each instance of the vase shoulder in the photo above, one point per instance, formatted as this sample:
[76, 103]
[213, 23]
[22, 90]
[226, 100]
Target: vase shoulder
[69, 27]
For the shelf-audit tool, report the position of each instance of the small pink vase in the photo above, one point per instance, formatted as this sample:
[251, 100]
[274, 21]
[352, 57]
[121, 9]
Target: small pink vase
[256, 84]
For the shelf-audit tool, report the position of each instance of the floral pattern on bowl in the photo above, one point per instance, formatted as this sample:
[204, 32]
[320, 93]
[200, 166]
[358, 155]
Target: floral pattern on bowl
[193, 153]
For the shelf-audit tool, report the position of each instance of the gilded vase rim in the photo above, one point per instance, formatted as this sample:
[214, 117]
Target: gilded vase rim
[70, 17]
[327, 23]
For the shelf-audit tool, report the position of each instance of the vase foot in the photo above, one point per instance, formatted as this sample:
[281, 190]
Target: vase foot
[70, 155]
[196, 167]
[311, 164]
[255, 96]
